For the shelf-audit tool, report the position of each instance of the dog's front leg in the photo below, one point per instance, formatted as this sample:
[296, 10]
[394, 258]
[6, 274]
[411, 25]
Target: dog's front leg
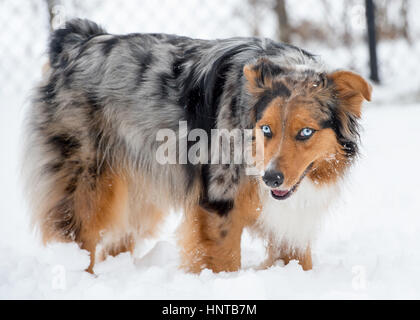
[209, 240]
[212, 240]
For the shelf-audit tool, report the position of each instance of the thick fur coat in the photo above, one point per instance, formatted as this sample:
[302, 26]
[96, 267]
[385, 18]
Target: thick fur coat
[91, 140]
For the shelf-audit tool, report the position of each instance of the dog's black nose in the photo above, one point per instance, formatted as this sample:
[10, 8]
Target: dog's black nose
[273, 179]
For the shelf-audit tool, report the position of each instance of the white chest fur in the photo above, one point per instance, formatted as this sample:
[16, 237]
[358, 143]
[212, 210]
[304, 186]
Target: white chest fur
[296, 220]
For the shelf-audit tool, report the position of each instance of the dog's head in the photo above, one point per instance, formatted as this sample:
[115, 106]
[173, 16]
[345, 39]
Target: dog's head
[307, 122]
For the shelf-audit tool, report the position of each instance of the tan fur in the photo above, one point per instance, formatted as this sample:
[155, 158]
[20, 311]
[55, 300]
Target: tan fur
[253, 75]
[352, 89]
[126, 244]
[114, 215]
[285, 253]
[212, 241]
[139, 220]
[105, 211]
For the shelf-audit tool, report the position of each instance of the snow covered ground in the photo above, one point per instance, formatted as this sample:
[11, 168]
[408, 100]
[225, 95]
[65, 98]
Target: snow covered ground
[369, 247]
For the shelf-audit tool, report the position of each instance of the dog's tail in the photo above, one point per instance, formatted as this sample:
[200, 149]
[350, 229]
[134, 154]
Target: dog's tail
[64, 41]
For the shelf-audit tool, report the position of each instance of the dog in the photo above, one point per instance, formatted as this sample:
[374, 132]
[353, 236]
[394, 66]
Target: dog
[92, 174]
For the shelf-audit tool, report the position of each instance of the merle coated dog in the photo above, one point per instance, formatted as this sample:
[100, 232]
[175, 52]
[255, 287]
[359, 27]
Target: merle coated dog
[90, 163]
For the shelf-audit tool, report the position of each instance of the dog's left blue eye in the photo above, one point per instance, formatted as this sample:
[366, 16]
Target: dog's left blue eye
[305, 133]
[266, 130]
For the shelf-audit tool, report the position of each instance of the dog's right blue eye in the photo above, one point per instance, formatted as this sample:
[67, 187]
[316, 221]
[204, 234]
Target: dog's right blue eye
[266, 130]
[305, 133]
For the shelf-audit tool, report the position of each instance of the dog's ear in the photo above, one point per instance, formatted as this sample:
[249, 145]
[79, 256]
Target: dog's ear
[259, 75]
[252, 76]
[352, 90]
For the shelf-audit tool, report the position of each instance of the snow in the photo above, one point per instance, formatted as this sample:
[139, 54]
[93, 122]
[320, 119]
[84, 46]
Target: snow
[368, 248]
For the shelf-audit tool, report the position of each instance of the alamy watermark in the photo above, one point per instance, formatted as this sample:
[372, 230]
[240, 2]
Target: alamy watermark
[223, 146]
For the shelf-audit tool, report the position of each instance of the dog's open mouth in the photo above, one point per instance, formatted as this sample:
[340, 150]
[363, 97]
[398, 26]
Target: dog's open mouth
[281, 194]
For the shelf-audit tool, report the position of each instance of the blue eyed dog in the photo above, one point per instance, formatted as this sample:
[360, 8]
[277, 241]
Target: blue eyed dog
[92, 174]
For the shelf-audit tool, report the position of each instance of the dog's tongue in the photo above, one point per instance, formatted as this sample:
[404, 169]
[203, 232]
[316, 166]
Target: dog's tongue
[280, 193]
